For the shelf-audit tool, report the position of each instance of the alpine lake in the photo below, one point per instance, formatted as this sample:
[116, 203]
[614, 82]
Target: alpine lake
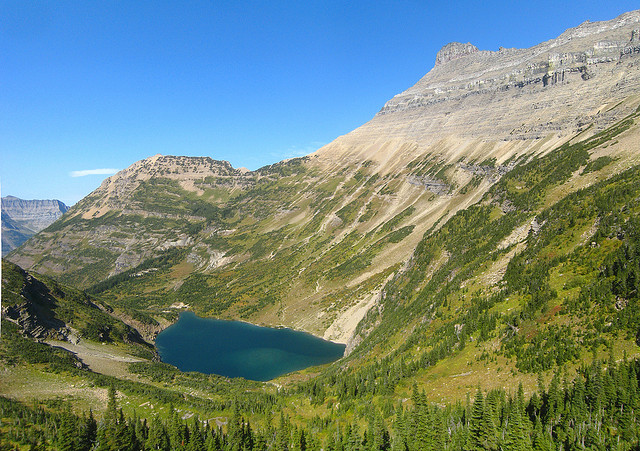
[238, 349]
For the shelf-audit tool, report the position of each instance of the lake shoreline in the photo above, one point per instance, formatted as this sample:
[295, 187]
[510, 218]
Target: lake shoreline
[181, 307]
[234, 348]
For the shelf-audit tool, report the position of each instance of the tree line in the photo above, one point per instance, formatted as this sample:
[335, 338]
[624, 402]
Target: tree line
[597, 410]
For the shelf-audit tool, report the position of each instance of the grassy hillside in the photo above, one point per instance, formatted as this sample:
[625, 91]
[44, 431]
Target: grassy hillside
[526, 302]
[46, 309]
[525, 282]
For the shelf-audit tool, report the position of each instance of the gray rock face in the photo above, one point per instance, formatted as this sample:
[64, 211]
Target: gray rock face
[454, 50]
[35, 214]
[553, 87]
[22, 219]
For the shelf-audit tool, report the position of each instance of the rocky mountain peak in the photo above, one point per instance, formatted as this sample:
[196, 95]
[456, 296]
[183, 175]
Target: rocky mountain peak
[454, 50]
[187, 172]
[532, 91]
[174, 167]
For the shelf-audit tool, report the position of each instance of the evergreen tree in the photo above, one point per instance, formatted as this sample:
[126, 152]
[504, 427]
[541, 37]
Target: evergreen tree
[248, 437]
[399, 442]
[157, 439]
[196, 440]
[578, 403]
[88, 433]
[301, 442]
[421, 423]
[516, 435]
[67, 435]
[481, 428]
[111, 415]
[554, 402]
[353, 438]
[175, 430]
[283, 433]
[438, 436]
[107, 435]
[141, 430]
[489, 420]
[540, 439]
[235, 432]
[593, 438]
[213, 441]
[380, 436]
[125, 439]
[609, 382]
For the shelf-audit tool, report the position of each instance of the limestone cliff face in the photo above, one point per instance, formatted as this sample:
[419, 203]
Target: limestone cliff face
[454, 50]
[21, 219]
[34, 214]
[504, 104]
[553, 87]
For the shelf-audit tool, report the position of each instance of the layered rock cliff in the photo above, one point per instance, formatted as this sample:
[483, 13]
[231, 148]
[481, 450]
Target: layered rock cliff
[21, 219]
[552, 90]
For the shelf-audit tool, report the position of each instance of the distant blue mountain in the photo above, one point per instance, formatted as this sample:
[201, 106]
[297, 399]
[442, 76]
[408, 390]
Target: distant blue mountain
[21, 219]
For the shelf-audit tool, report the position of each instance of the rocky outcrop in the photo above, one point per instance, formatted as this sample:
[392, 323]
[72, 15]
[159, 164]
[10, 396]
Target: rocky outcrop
[35, 325]
[454, 50]
[491, 173]
[48, 311]
[435, 186]
[36, 314]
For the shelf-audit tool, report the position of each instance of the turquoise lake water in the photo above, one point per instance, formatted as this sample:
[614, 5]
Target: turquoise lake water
[237, 349]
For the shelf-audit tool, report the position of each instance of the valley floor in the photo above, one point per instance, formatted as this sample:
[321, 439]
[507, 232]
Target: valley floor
[100, 357]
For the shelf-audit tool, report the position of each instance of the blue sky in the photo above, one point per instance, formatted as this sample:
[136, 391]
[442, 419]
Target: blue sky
[89, 87]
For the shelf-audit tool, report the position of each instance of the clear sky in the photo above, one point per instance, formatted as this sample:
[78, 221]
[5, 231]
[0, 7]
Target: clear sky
[88, 87]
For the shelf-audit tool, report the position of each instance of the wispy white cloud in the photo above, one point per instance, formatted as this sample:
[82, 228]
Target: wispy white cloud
[102, 171]
[299, 151]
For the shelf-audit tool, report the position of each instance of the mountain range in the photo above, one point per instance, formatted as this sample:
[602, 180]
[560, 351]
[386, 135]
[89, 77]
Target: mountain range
[335, 225]
[480, 230]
